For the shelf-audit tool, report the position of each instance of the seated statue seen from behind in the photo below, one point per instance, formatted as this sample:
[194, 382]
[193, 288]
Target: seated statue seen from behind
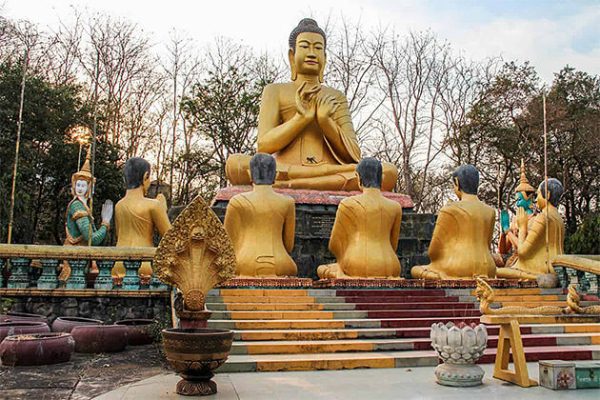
[532, 258]
[306, 125]
[365, 233]
[136, 216]
[460, 246]
[261, 225]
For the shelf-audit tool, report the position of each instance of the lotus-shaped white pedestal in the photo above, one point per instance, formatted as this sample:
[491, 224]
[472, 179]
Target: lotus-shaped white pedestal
[459, 347]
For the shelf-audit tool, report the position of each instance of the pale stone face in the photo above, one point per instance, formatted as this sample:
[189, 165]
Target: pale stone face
[81, 188]
[309, 56]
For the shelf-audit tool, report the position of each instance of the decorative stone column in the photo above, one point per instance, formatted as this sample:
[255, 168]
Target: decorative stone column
[104, 280]
[48, 279]
[19, 277]
[131, 280]
[77, 278]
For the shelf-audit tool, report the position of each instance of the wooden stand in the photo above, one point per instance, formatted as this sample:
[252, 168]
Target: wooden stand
[510, 338]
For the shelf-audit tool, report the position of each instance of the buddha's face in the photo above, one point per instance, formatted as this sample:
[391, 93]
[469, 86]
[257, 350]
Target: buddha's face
[309, 55]
[81, 188]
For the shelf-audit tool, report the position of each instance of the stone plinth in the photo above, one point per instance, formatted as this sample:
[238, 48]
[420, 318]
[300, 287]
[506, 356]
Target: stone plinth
[315, 215]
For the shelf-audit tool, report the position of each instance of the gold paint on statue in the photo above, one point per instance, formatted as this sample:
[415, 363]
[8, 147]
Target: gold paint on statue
[485, 295]
[307, 127]
[136, 219]
[261, 226]
[364, 238]
[195, 254]
[573, 300]
[460, 246]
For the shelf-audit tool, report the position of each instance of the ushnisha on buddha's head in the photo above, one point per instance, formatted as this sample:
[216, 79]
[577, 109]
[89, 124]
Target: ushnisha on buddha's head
[555, 188]
[137, 174]
[263, 169]
[307, 49]
[370, 173]
[465, 180]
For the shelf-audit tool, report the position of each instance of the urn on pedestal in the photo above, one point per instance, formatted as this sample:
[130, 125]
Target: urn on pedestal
[459, 347]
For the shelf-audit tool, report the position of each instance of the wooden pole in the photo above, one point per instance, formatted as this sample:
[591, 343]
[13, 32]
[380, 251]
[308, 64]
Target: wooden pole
[11, 214]
[93, 148]
[547, 195]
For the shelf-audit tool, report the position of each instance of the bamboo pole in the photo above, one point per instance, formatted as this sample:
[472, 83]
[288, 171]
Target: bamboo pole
[11, 214]
[547, 195]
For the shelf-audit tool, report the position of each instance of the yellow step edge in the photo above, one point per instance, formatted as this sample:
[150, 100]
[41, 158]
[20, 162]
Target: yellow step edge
[263, 292]
[275, 307]
[310, 365]
[252, 336]
[275, 324]
[267, 299]
[273, 315]
[308, 348]
[546, 297]
[581, 328]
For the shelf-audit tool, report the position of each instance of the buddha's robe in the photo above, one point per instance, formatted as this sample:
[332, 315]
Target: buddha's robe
[136, 219]
[261, 226]
[364, 238]
[310, 160]
[460, 246]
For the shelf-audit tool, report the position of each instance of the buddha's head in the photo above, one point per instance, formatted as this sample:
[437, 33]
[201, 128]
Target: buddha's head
[307, 49]
[555, 188]
[370, 173]
[263, 169]
[137, 173]
[465, 180]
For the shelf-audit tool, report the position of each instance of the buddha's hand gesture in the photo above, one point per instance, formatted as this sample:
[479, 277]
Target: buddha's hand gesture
[326, 106]
[107, 212]
[306, 100]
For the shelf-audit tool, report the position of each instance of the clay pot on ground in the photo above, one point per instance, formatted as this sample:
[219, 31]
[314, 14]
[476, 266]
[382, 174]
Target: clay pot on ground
[21, 316]
[194, 354]
[22, 327]
[459, 347]
[99, 338]
[139, 331]
[66, 324]
[36, 349]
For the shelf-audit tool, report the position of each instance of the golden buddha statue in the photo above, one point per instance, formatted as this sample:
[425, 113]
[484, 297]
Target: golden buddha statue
[136, 216]
[307, 125]
[365, 233]
[460, 246]
[261, 225]
[532, 259]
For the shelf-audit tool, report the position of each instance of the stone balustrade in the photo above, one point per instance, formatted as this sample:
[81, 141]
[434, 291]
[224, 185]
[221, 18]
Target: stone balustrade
[37, 266]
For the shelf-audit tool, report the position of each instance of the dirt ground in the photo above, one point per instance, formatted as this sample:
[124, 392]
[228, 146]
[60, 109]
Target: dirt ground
[84, 377]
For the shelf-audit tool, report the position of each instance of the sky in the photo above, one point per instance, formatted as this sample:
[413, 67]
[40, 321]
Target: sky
[549, 34]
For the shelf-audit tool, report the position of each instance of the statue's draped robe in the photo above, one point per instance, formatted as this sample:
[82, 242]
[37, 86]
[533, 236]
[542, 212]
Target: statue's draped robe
[258, 226]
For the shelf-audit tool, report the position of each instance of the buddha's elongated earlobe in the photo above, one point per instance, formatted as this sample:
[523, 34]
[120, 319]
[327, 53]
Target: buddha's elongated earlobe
[292, 65]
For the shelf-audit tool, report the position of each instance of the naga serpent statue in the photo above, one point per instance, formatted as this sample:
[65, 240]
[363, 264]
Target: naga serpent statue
[485, 295]
[573, 299]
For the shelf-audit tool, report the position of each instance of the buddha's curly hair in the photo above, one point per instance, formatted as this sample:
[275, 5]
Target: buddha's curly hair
[306, 25]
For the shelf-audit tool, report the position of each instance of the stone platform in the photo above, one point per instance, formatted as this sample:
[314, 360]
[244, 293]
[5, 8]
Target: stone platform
[315, 214]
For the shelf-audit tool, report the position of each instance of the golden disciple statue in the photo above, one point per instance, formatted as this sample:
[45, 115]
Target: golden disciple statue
[365, 233]
[136, 216]
[460, 246]
[307, 125]
[532, 259]
[79, 221]
[261, 225]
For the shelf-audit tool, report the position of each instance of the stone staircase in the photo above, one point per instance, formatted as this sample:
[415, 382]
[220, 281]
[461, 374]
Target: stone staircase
[316, 329]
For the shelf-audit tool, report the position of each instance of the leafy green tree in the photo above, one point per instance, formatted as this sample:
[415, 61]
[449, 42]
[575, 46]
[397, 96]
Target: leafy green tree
[47, 158]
